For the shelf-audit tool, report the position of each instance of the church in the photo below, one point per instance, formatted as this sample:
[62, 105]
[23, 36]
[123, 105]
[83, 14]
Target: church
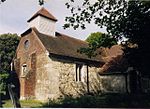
[48, 65]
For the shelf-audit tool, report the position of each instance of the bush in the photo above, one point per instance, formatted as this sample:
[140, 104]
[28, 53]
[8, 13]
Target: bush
[101, 101]
[3, 78]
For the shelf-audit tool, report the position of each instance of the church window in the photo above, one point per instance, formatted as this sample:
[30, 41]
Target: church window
[26, 44]
[24, 69]
[79, 72]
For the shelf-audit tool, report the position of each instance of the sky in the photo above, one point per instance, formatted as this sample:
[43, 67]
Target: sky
[15, 13]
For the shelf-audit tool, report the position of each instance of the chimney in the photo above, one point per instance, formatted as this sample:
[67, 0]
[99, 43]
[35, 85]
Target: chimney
[44, 22]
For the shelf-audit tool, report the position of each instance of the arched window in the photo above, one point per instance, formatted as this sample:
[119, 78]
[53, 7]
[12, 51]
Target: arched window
[24, 69]
[26, 44]
[80, 72]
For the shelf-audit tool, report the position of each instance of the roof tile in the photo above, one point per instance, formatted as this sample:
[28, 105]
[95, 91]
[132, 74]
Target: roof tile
[43, 12]
[65, 46]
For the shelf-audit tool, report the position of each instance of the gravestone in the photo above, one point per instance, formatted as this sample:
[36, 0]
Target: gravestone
[13, 96]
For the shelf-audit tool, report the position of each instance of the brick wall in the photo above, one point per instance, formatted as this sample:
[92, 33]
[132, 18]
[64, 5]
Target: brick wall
[31, 78]
[28, 56]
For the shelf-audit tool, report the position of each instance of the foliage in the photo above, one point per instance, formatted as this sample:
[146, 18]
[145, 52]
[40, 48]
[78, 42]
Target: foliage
[97, 101]
[100, 39]
[2, 1]
[122, 18]
[95, 41]
[3, 78]
[101, 101]
[105, 13]
[136, 28]
[41, 2]
[8, 45]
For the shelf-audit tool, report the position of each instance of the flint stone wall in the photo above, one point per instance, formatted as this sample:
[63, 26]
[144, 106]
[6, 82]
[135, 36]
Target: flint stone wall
[56, 78]
[113, 83]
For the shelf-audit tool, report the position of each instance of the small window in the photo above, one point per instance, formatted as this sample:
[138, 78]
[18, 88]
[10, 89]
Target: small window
[26, 44]
[24, 69]
[79, 72]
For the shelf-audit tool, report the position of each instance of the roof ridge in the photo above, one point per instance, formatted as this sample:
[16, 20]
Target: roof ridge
[73, 38]
[59, 45]
[43, 12]
[61, 34]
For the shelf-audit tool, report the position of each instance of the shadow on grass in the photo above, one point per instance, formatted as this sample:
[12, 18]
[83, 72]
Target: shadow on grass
[102, 101]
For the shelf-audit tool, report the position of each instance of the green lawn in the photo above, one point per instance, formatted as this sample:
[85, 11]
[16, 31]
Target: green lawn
[24, 104]
[87, 101]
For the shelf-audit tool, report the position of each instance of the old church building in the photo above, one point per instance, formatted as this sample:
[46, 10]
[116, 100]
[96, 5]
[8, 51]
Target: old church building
[48, 64]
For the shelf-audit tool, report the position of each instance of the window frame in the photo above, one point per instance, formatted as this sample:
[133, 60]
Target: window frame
[79, 73]
[24, 69]
[26, 44]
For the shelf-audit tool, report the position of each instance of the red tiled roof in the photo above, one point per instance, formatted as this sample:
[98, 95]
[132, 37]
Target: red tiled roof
[43, 12]
[114, 51]
[114, 60]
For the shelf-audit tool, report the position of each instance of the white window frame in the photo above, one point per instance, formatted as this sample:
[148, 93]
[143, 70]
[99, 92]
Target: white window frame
[24, 69]
[79, 72]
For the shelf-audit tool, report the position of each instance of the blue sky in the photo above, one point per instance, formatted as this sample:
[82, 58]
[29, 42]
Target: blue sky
[15, 13]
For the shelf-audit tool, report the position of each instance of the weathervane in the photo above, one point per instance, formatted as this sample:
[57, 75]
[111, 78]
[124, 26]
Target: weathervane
[41, 2]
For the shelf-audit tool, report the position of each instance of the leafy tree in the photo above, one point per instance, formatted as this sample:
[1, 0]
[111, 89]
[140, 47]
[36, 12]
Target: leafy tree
[3, 78]
[122, 18]
[41, 2]
[100, 39]
[95, 41]
[94, 37]
[105, 13]
[2, 0]
[137, 29]
[8, 45]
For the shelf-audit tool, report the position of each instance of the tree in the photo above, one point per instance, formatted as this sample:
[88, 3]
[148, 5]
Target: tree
[3, 78]
[8, 45]
[100, 39]
[122, 18]
[2, 0]
[95, 41]
[41, 2]
[105, 13]
[136, 29]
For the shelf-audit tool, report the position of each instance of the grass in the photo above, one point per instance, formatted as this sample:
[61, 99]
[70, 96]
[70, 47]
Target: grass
[24, 104]
[89, 101]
